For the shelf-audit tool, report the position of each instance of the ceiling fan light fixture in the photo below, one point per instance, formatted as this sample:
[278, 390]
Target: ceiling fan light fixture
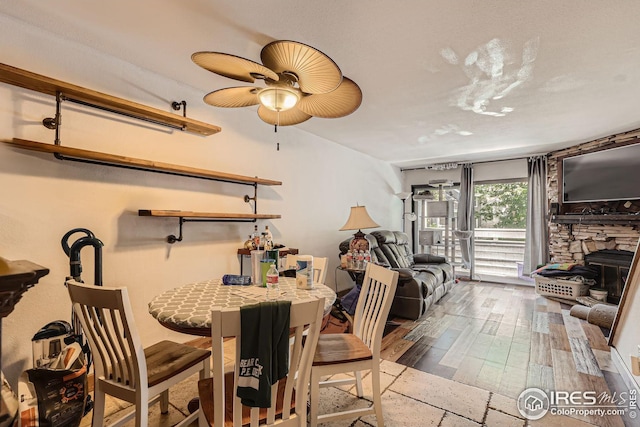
[278, 98]
[300, 82]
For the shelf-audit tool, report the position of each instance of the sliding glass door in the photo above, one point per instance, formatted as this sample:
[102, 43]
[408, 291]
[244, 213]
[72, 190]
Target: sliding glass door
[500, 215]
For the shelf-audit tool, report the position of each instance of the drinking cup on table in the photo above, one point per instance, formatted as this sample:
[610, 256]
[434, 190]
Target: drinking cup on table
[265, 264]
[256, 273]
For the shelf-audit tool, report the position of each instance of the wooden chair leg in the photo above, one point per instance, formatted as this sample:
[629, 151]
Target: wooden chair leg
[98, 409]
[204, 373]
[164, 402]
[142, 408]
[206, 369]
[202, 420]
[377, 400]
[358, 375]
[314, 398]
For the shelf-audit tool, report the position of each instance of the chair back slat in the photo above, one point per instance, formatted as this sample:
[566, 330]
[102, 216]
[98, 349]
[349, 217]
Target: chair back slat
[105, 324]
[110, 364]
[271, 411]
[121, 363]
[226, 324]
[107, 321]
[86, 315]
[376, 296]
[294, 361]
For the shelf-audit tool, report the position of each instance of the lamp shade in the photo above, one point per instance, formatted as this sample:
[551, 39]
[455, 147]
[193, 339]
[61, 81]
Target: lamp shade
[358, 219]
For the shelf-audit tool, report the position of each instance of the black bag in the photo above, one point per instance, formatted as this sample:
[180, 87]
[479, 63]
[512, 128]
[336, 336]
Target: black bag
[55, 396]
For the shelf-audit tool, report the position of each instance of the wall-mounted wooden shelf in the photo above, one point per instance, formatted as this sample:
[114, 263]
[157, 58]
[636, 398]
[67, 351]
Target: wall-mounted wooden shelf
[68, 92]
[190, 216]
[204, 215]
[47, 85]
[133, 163]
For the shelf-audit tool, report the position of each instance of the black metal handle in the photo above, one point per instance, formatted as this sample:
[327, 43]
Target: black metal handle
[65, 239]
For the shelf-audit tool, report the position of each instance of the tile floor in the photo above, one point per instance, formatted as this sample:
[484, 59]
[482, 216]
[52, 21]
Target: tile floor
[504, 339]
[410, 398]
[465, 363]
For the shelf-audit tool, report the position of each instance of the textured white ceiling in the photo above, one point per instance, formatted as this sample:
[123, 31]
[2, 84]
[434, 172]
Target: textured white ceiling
[442, 80]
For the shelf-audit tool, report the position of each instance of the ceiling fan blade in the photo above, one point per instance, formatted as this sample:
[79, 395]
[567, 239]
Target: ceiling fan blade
[232, 66]
[242, 96]
[289, 117]
[341, 102]
[316, 72]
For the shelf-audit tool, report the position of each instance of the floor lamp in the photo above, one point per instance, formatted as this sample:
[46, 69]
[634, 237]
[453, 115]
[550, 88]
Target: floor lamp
[411, 216]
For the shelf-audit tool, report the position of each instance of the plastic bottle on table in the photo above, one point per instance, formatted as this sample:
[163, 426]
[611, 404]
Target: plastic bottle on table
[361, 260]
[273, 285]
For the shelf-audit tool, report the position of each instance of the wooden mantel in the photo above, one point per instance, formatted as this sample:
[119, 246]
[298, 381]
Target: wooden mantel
[620, 219]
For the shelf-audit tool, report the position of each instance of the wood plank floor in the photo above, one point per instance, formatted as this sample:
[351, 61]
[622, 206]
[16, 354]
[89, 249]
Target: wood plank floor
[505, 338]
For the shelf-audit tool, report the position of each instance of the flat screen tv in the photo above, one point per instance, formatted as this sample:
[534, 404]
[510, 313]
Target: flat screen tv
[607, 175]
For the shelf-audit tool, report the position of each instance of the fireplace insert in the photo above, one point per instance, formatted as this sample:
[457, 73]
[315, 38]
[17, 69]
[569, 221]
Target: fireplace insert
[614, 268]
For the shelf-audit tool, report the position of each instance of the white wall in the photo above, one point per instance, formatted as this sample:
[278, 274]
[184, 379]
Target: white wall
[42, 197]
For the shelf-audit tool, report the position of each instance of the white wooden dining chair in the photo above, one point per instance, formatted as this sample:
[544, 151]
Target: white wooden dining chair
[219, 401]
[356, 351]
[122, 367]
[319, 266]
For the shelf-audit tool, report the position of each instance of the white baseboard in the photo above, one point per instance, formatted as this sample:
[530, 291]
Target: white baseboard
[627, 376]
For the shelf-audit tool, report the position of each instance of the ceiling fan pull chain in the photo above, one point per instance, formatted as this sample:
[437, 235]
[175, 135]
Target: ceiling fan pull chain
[276, 128]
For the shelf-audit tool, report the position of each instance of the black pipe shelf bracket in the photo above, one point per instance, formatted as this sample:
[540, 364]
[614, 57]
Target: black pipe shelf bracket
[190, 216]
[55, 122]
[172, 238]
[182, 105]
[248, 199]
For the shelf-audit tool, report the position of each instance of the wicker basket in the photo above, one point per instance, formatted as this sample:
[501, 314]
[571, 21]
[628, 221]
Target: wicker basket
[567, 289]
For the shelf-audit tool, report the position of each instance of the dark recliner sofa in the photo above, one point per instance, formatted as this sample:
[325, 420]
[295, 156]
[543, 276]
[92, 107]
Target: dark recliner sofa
[423, 280]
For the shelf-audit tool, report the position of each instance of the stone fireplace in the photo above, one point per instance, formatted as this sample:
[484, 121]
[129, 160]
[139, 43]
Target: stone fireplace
[574, 241]
[578, 230]
[614, 268]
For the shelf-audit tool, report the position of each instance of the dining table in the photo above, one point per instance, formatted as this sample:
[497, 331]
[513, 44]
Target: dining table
[187, 308]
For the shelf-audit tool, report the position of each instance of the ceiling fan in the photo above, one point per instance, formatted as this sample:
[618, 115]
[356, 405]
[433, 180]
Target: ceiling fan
[300, 82]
